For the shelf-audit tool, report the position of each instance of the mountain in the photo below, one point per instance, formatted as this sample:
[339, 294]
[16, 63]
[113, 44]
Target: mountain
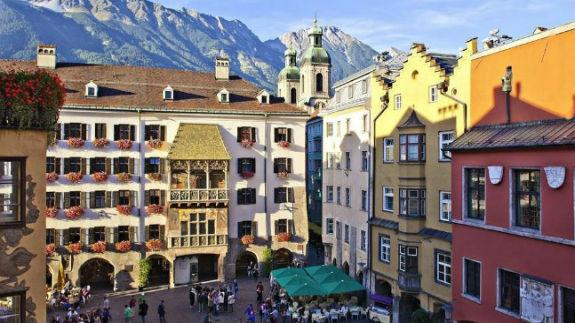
[139, 32]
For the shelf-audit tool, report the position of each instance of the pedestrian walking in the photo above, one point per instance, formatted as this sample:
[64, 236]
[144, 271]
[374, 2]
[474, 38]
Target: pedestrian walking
[231, 302]
[106, 317]
[143, 311]
[162, 312]
[192, 297]
[260, 292]
[236, 289]
[128, 314]
[255, 273]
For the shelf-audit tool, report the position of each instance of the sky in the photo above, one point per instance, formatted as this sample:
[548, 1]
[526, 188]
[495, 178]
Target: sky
[443, 25]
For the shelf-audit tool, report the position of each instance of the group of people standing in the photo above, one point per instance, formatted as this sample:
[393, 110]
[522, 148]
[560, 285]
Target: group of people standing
[214, 300]
[130, 310]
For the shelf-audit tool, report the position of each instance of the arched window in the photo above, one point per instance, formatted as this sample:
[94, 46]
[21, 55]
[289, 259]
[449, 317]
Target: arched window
[319, 82]
[293, 96]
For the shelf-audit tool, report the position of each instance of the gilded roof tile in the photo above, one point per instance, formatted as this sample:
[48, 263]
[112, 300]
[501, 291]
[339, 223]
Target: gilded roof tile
[198, 142]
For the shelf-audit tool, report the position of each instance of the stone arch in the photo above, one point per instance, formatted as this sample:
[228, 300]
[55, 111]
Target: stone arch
[334, 261]
[282, 258]
[359, 277]
[159, 270]
[243, 260]
[345, 267]
[319, 82]
[97, 272]
[293, 96]
[382, 287]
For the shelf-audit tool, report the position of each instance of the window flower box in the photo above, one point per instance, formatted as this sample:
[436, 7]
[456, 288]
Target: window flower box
[283, 237]
[123, 246]
[154, 245]
[100, 177]
[283, 174]
[74, 248]
[124, 209]
[74, 212]
[124, 144]
[75, 142]
[74, 177]
[154, 209]
[284, 144]
[156, 177]
[247, 239]
[51, 212]
[98, 247]
[124, 177]
[51, 177]
[100, 143]
[50, 249]
[246, 143]
[155, 143]
[247, 174]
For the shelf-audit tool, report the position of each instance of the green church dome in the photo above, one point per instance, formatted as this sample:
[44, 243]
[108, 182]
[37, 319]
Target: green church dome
[289, 73]
[290, 52]
[315, 29]
[317, 55]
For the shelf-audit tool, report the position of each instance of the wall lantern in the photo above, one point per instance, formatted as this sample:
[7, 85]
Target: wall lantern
[555, 176]
[495, 174]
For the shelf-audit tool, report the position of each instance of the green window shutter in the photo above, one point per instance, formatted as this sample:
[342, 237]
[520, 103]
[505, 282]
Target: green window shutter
[116, 132]
[253, 164]
[132, 234]
[276, 227]
[253, 133]
[109, 235]
[116, 165]
[238, 135]
[83, 200]
[131, 165]
[132, 132]
[132, 198]
[66, 165]
[289, 135]
[91, 238]
[147, 233]
[83, 167]
[108, 165]
[58, 199]
[146, 197]
[147, 133]
[92, 200]
[57, 162]
[162, 229]
[289, 165]
[66, 131]
[83, 236]
[57, 237]
[108, 199]
[65, 236]
[163, 162]
[162, 197]
[290, 195]
[116, 235]
[163, 133]
[115, 199]
[276, 135]
[83, 131]
[66, 200]
[291, 228]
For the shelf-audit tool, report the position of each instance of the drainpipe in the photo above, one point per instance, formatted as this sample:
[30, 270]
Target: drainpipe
[445, 94]
[268, 219]
[141, 183]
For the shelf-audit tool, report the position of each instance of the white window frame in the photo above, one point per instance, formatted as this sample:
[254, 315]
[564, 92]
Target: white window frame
[347, 197]
[385, 249]
[328, 226]
[405, 251]
[329, 194]
[464, 274]
[338, 195]
[363, 240]
[397, 101]
[364, 86]
[364, 161]
[338, 129]
[364, 201]
[439, 265]
[346, 233]
[387, 193]
[388, 144]
[444, 201]
[445, 156]
[433, 94]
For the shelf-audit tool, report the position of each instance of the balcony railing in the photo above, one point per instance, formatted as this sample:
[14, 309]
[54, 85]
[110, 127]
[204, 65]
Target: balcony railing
[199, 241]
[199, 195]
[410, 282]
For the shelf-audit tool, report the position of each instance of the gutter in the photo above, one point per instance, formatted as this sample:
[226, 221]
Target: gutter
[141, 188]
[182, 111]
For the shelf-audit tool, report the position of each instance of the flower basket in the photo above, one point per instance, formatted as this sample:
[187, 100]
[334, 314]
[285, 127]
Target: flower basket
[51, 212]
[100, 177]
[75, 142]
[247, 174]
[124, 209]
[155, 143]
[74, 212]
[246, 143]
[74, 248]
[74, 177]
[284, 143]
[100, 143]
[154, 209]
[51, 177]
[123, 246]
[50, 249]
[284, 237]
[156, 177]
[124, 144]
[98, 247]
[247, 239]
[283, 174]
[124, 177]
[154, 245]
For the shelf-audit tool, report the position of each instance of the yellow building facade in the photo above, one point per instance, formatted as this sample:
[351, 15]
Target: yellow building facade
[422, 110]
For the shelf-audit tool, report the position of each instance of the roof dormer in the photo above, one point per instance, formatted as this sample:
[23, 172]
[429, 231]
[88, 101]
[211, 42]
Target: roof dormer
[224, 96]
[91, 90]
[168, 93]
[264, 97]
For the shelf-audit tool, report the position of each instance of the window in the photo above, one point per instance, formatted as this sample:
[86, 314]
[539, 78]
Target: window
[319, 82]
[52, 165]
[338, 161]
[329, 225]
[443, 267]
[246, 165]
[526, 198]
[98, 200]
[384, 249]
[123, 197]
[245, 228]
[246, 196]
[100, 130]
[91, 91]
[348, 126]
[509, 286]
[347, 160]
[13, 306]
[347, 197]
[283, 134]
[51, 199]
[224, 97]
[154, 231]
[350, 92]
[408, 259]
[364, 161]
[123, 165]
[364, 86]
[264, 99]
[388, 199]
[293, 96]
[472, 278]
[50, 236]
[168, 94]
[433, 93]
[155, 131]
[397, 101]
[475, 193]
[364, 200]
[388, 144]
[75, 199]
[282, 165]
[329, 194]
[281, 226]
[338, 195]
[329, 129]
[330, 157]
[198, 224]
[337, 230]
[445, 138]
[124, 132]
[445, 206]
[346, 233]
[153, 165]
[363, 240]
[154, 197]
[412, 147]
[246, 134]
[123, 233]
[284, 195]
[74, 130]
[98, 234]
[338, 129]
[568, 302]
[364, 122]
[74, 235]
[98, 164]
[73, 164]
[411, 202]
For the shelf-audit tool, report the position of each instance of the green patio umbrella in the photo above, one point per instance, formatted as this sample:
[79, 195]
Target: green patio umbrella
[343, 286]
[287, 272]
[293, 279]
[331, 277]
[304, 288]
[318, 270]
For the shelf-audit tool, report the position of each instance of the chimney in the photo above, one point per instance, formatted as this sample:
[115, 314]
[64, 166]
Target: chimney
[222, 66]
[46, 56]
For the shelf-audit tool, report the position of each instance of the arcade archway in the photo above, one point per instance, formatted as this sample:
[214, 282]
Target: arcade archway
[282, 258]
[345, 267]
[98, 273]
[159, 271]
[243, 261]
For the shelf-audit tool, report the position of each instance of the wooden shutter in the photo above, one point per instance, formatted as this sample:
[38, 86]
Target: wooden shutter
[132, 198]
[66, 131]
[163, 162]
[66, 200]
[162, 197]
[289, 193]
[276, 227]
[83, 200]
[57, 164]
[109, 235]
[290, 228]
[240, 165]
[57, 237]
[253, 160]
[92, 200]
[275, 165]
[253, 134]
[115, 198]
[108, 199]
[116, 165]
[66, 165]
[132, 132]
[147, 233]
[83, 130]
[131, 165]
[162, 229]
[276, 195]
[116, 235]
[91, 236]
[252, 195]
[83, 168]
[163, 133]
[289, 135]
[276, 135]
[239, 132]
[108, 166]
[289, 164]
[254, 229]
[100, 130]
[147, 132]
[57, 199]
[83, 236]
[65, 236]
[116, 132]
[132, 234]
[146, 197]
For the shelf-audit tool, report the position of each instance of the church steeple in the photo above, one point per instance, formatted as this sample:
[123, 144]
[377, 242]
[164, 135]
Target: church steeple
[288, 79]
[315, 35]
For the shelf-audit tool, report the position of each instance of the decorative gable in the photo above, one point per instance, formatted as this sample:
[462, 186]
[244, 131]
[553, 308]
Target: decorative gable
[224, 96]
[168, 93]
[264, 97]
[91, 90]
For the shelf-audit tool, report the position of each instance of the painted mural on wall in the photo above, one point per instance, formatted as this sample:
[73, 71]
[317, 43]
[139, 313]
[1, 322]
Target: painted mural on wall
[536, 301]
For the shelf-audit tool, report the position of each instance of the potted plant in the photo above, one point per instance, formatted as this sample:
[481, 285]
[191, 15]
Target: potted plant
[124, 177]
[75, 142]
[74, 177]
[51, 212]
[74, 212]
[100, 177]
[124, 209]
[283, 237]
[124, 144]
[154, 209]
[284, 143]
[100, 143]
[156, 177]
[144, 273]
[74, 248]
[155, 143]
[123, 246]
[154, 245]
[283, 174]
[247, 143]
[247, 239]
[247, 174]
[98, 247]
[267, 257]
[51, 177]
[50, 249]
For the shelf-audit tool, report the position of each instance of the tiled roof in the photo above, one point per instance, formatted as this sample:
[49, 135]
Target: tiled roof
[198, 142]
[384, 223]
[446, 61]
[438, 234]
[557, 132]
[141, 87]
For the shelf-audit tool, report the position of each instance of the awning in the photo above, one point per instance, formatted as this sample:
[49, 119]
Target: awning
[198, 142]
[315, 281]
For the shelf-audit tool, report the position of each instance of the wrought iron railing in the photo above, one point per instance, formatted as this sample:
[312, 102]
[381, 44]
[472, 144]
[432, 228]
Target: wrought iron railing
[199, 241]
[409, 281]
[199, 195]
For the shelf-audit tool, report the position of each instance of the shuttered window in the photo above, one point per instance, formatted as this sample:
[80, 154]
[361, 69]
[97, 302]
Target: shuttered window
[124, 131]
[283, 195]
[283, 134]
[246, 196]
